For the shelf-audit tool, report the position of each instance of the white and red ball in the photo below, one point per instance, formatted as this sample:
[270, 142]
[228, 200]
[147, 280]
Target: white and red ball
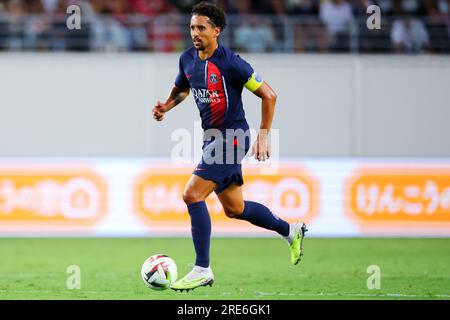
[159, 272]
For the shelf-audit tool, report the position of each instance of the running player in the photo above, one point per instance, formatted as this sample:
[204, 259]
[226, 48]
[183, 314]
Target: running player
[216, 77]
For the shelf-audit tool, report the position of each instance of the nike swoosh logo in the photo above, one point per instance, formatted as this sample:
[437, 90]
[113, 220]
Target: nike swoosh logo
[188, 76]
[194, 281]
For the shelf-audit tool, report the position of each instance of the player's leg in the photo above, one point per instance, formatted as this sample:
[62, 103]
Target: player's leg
[236, 207]
[195, 193]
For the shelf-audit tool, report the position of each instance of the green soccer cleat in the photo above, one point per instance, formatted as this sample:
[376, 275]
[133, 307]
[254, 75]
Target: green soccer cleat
[298, 231]
[198, 277]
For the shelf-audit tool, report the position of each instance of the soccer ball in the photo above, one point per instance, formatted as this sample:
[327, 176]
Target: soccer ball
[159, 272]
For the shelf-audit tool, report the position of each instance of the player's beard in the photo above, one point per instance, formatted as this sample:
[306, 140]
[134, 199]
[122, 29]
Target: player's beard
[199, 46]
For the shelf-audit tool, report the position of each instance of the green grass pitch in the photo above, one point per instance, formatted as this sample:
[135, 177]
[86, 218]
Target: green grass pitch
[244, 268]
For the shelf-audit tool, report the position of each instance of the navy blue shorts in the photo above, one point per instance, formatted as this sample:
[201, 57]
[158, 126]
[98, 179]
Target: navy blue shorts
[225, 170]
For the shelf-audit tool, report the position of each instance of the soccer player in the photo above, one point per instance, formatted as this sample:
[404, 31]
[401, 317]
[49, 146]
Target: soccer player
[216, 77]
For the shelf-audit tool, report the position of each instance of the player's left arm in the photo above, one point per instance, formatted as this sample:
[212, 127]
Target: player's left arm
[261, 148]
[242, 72]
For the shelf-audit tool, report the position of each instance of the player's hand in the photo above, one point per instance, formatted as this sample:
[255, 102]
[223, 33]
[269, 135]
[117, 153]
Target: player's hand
[261, 148]
[158, 111]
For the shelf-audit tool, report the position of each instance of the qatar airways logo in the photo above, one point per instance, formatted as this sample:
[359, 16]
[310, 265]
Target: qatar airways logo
[205, 95]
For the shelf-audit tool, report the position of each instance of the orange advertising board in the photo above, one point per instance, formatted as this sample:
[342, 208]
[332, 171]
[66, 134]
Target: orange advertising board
[399, 195]
[292, 194]
[51, 195]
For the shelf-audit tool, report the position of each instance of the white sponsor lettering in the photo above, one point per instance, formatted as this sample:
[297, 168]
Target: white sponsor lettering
[205, 95]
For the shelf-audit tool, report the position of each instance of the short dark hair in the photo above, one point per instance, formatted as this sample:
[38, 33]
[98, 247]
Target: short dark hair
[214, 13]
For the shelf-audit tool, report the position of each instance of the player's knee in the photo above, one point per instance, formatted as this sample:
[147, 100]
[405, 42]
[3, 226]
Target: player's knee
[191, 197]
[233, 212]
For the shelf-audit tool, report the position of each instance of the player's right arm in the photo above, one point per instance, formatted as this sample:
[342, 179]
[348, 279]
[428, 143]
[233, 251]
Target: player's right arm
[176, 96]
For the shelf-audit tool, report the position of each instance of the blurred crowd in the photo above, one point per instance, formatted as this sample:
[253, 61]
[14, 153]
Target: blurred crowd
[407, 26]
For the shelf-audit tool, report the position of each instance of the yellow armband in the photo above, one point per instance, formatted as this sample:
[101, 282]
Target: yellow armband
[254, 82]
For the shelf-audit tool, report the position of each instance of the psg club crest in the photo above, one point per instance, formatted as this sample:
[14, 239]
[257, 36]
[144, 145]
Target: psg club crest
[213, 78]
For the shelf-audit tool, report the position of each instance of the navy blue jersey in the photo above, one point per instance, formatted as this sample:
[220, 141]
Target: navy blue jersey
[216, 84]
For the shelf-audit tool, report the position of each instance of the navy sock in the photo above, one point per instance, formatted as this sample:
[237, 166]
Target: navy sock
[201, 232]
[261, 216]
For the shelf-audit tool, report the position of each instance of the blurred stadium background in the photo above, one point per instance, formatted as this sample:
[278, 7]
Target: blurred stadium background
[287, 26]
[363, 150]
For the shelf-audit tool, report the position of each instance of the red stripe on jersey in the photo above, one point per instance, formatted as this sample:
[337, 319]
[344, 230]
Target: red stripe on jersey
[218, 103]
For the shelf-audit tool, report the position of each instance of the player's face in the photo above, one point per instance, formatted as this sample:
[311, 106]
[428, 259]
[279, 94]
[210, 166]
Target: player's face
[203, 33]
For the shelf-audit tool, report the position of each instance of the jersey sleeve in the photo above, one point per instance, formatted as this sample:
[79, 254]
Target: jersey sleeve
[181, 81]
[243, 74]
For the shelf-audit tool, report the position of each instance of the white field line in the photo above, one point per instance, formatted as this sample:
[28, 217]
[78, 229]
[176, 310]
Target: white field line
[259, 294]
[348, 294]
[81, 292]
